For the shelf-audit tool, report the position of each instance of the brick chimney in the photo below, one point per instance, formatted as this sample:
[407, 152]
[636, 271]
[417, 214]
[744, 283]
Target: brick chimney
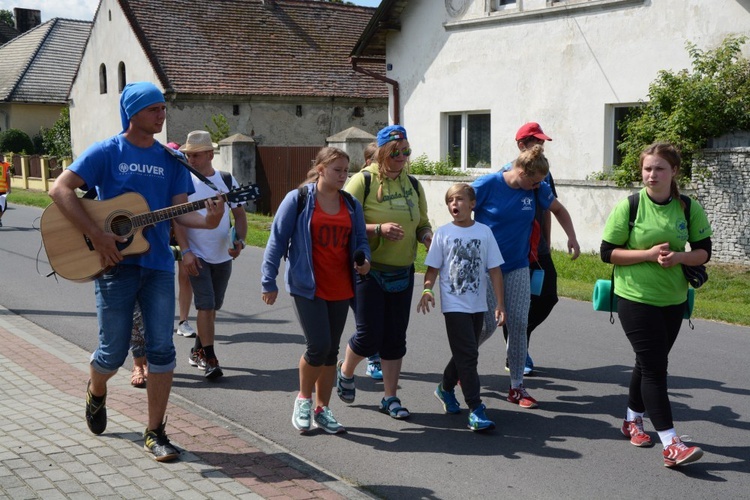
[27, 19]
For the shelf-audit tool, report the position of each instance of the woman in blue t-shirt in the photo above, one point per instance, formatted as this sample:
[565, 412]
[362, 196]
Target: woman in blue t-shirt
[506, 202]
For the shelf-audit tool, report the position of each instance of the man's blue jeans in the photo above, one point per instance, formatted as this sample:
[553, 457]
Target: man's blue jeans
[116, 294]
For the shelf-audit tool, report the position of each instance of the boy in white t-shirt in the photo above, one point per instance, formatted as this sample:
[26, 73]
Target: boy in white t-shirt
[462, 253]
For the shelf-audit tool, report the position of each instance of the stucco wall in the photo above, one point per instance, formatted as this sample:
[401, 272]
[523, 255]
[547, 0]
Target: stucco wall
[274, 122]
[96, 116]
[561, 70]
[30, 117]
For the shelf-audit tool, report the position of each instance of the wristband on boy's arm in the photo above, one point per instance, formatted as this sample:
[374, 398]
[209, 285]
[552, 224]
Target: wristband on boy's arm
[427, 290]
[186, 251]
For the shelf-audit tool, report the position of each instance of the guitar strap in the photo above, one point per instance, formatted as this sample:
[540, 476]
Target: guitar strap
[189, 167]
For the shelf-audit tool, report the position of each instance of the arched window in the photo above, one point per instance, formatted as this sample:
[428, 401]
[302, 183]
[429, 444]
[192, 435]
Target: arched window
[102, 79]
[121, 80]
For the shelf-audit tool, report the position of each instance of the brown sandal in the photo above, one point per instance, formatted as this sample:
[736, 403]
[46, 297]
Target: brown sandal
[138, 378]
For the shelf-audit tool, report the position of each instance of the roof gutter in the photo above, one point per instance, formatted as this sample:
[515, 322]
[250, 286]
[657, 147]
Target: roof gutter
[393, 83]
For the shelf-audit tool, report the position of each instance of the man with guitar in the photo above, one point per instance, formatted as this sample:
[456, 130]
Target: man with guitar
[133, 162]
[207, 254]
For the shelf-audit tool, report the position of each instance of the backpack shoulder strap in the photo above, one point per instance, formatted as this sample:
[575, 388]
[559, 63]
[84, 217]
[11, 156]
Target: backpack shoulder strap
[227, 178]
[368, 178]
[301, 199]
[633, 200]
[686, 200]
[414, 184]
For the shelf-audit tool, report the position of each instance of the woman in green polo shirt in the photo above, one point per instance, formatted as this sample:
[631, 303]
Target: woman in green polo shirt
[652, 290]
[396, 219]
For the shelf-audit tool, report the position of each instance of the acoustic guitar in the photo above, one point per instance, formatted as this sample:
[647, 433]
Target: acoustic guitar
[71, 253]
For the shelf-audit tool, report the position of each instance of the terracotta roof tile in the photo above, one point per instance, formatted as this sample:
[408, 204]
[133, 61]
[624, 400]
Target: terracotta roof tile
[243, 47]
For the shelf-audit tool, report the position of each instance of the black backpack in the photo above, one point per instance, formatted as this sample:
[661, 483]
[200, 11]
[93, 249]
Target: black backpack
[303, 193]
[368, 179]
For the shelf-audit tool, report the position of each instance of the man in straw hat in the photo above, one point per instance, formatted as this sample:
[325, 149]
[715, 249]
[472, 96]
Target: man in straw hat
[133, 161]
[207, 254]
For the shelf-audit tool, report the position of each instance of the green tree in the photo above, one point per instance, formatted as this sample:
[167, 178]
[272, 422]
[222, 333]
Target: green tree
[56, 140]
[16, 141]
[222, 128]
[6, 17]
[687, 108]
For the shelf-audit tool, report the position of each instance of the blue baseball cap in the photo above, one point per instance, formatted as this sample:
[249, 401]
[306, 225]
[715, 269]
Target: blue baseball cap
[135, 97]
[391, 133]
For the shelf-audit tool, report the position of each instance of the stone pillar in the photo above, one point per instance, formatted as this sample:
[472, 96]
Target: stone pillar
[237, 156]
[353, 141]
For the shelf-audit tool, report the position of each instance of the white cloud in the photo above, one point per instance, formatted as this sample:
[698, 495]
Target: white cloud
[68, 9]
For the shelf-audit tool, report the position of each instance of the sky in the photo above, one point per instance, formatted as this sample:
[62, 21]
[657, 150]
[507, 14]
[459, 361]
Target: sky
[84, 9]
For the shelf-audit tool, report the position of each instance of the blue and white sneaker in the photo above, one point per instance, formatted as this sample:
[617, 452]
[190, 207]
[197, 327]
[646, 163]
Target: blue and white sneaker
[374, 370]
[326, 421]
[302, 416]
[478, 421]
[528, 368]
[448, 398]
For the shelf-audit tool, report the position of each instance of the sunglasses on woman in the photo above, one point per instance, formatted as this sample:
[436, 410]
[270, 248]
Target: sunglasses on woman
[396, 153]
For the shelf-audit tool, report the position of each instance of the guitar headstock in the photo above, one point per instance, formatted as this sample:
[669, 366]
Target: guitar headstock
[245, 192]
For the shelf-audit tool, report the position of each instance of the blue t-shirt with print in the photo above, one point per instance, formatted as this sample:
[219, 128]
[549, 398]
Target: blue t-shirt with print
[509, 213]
[115, 166]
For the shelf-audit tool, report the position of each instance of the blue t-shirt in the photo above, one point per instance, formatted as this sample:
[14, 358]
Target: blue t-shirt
[509, 213]
[115, 166]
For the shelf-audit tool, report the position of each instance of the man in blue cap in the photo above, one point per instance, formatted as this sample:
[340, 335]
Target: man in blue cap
[133, 161]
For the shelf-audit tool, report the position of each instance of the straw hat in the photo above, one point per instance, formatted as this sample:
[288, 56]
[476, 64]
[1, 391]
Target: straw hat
[197, 141]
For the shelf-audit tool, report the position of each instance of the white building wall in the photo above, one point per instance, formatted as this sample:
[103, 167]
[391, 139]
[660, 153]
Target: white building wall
[560, 70]
[96, 116]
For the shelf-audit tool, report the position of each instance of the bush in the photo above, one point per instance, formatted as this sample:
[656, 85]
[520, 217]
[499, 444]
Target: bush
[16, 141]
[56, 140]
[689, 108]
[421, 165]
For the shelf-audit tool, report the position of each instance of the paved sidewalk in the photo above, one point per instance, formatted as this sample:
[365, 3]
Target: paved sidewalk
[46, 450]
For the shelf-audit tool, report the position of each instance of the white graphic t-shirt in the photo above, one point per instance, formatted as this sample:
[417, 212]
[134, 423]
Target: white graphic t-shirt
[463, 255]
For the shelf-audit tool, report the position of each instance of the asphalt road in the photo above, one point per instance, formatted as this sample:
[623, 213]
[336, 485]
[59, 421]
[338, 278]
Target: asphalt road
[568, 448]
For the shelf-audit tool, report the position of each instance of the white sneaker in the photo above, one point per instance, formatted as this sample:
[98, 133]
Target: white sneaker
[302, 416]
[185, 330]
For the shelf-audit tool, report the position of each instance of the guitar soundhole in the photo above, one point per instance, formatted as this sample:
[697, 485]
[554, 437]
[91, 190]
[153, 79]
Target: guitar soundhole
[121, 225]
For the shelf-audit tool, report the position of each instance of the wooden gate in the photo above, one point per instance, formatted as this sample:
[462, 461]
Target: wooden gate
[279, 170]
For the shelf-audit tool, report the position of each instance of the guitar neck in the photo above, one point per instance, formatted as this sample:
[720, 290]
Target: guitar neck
[151, 218]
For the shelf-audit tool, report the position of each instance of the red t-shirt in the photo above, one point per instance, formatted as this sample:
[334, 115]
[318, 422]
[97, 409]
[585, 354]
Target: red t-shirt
[330, 247]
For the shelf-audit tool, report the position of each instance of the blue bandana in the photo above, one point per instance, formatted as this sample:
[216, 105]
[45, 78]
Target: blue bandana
[391, 133]
[136, 97]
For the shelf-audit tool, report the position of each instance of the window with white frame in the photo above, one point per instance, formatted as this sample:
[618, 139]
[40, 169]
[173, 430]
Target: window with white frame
[526, 5]
[469, 139]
